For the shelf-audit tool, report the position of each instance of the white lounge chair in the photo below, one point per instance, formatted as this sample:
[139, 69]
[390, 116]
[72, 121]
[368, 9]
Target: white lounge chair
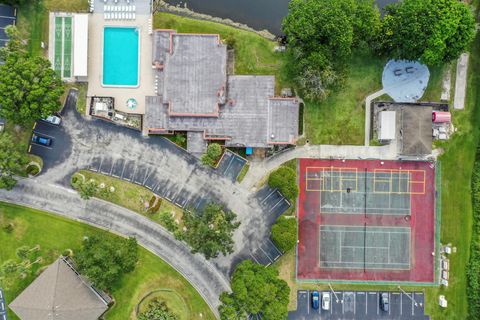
[134, 16]
[134, 8]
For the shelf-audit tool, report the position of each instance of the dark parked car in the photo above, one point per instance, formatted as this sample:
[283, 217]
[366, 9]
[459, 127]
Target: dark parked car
[44, 141]
[315, 299]
[384, 301]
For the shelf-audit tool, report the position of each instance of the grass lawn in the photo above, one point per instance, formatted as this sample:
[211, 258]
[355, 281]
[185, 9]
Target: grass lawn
[253, 54]
[340, 119]
[456, 207]
[33, 20]
[132, 196]
[173, 300]
[55, 234]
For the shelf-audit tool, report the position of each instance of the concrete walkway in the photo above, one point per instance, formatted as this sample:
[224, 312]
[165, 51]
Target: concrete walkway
[461, 82]
[258, 170]
[368, 113]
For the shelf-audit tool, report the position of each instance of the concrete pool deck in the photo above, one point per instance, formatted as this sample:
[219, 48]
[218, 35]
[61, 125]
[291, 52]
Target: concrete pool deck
[95, 63]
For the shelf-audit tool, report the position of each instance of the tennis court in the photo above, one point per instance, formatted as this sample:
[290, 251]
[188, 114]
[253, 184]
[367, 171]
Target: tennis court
[365, 220]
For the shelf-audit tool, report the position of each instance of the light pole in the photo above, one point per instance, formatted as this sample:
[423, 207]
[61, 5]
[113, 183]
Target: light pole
[411, 298]
[333, 291]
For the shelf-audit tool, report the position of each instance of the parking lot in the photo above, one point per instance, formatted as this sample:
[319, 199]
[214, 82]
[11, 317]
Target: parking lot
[230, 165]
[59, 145]
[361, 305]
[3, 307]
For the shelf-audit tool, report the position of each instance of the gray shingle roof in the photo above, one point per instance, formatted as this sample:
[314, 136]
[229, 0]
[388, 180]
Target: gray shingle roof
[416, 130]
[58, 293]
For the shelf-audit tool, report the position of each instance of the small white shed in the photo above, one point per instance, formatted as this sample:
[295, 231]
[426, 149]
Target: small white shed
[387, 124]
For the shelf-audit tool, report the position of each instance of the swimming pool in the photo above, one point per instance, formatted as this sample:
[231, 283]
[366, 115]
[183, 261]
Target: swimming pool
[120, 57]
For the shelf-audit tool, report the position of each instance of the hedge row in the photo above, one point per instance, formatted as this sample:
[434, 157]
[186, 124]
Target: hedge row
[285, 179]
[473, 266]
[284, 233]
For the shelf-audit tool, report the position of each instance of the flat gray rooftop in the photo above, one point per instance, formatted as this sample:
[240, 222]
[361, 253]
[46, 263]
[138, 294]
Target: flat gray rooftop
[195, 74]
[249, 119]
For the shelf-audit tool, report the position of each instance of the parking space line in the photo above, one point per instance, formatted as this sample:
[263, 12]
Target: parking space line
[44, 134]
[366, 303]
[308, 301]
[147, 174]
[266, 254]
[251, 255]
[268, 196]
[389, 299]
[413, 307]
[273, 208]
[378, 299]
[343, 304]
[354, 303]
[113, 165]
[123, 169]
[40, 145]
[273, 244]
[401, 304]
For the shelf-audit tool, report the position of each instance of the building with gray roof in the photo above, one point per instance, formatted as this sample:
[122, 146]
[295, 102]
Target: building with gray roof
[60, 293]
[195, 94]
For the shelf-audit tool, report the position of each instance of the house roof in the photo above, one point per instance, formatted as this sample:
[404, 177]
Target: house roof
[249, 118]
[416, 130]
[59, 293]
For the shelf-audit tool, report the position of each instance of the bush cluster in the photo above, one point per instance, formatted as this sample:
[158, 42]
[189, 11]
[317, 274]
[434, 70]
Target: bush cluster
[285, 180]
[473, 266]
[212, 155]
[284, 233]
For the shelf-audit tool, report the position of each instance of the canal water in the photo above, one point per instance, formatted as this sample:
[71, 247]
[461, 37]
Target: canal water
[258, 14]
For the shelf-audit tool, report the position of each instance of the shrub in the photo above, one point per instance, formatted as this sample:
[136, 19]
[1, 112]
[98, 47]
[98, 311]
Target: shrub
[285, 179]
[473, 266]
[284, 233]
[153, 207]
[32, 170]
[212, 154]
[157, 310]
[8, 227]
[167, 220]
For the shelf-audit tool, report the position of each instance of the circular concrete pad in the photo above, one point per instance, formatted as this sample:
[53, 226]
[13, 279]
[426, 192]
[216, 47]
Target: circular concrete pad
[405, 81]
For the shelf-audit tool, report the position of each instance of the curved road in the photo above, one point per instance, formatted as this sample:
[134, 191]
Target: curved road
[80, 144]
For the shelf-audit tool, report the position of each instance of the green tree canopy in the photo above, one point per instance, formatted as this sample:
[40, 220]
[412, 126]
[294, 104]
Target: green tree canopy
[210, 231]
[432, 31]
[255, 289]
[104, 259]
[13, 160]
[212, 154]
[284, 233]
[17, 2]
[321, 35]
[285, 180]
[29, 89]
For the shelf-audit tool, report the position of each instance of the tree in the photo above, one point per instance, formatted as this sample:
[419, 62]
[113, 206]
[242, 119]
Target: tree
[104, 259]
[87, 189]
[157, 310]
[285, 180]
[29, 89]
[321, 35]
[284, 233]
[212, 154]
[210, 231]
[432, 31]
[12, 160]
[255, 289]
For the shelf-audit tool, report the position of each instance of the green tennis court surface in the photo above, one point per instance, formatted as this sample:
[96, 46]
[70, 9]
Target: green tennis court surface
[63, 46]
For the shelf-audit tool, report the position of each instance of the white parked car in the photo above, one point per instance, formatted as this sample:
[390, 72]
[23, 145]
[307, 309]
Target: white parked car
[53, 120]
[326, 300]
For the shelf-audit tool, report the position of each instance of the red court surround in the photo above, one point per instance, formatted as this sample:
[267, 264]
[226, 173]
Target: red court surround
[422, 225]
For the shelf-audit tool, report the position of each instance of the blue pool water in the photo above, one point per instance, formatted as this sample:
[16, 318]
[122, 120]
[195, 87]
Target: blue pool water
[120, 56]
